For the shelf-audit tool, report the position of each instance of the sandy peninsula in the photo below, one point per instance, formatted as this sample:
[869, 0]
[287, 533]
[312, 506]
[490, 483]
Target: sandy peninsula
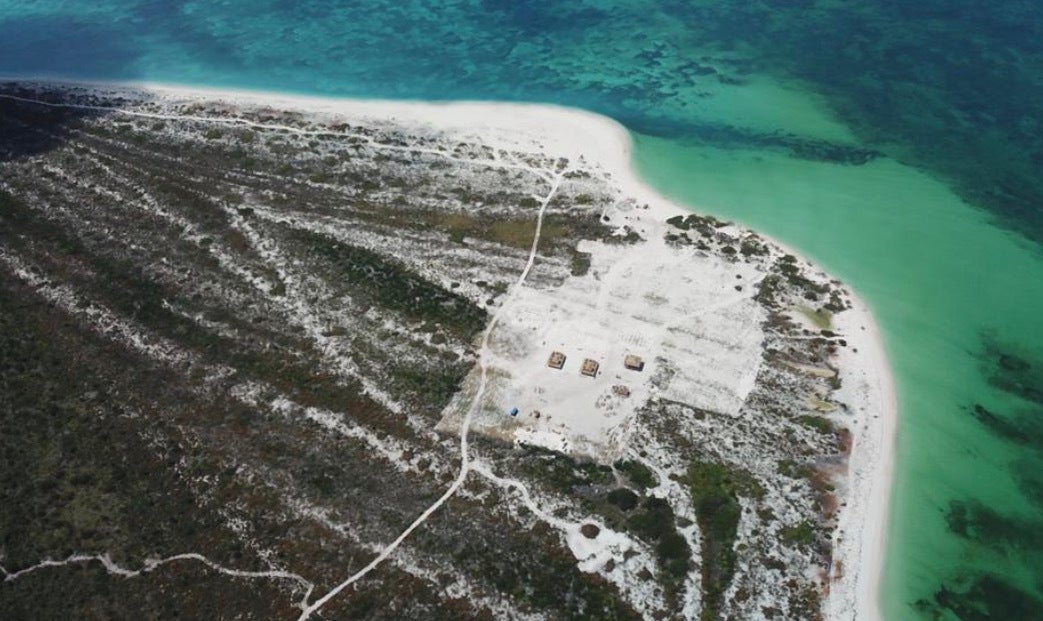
[866, 387]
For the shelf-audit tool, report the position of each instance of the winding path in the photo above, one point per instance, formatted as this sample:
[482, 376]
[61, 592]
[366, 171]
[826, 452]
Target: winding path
[153, 564]
[466, 466]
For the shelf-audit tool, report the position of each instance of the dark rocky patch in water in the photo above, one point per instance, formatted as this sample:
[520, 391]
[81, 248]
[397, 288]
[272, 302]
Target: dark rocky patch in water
[986, 598]
[1023, 428]
[1017, 536]
[1012, 370]
[1029, 476]
[730, 137]
[952, 86]
[957, 82]
[973, 520]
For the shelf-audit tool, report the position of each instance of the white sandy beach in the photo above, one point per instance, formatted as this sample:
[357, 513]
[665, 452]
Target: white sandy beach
[867, 383]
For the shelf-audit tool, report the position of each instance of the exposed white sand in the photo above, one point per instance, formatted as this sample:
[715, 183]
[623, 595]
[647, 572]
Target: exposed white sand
[699, 338]
[868, 387]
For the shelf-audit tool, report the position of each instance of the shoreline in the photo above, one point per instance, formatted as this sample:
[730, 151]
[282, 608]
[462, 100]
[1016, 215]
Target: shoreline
[868, 384]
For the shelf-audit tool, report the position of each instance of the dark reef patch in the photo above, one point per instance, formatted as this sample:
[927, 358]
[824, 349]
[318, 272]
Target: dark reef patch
[724, 136]
[1013, 369]
[1023, 428]
[986, 598]
[922, 78]
[973, 520]
[1028, 473]
[57, 45]
[950, 86]
[1016, 536]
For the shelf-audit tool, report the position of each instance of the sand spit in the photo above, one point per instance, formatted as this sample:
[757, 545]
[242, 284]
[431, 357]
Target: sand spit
[867, 384]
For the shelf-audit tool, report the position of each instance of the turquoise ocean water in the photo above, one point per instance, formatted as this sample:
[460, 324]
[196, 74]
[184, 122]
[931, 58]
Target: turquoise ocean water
[898, 143]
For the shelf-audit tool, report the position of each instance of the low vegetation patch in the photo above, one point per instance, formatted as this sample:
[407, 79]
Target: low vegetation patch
[637, 473]
[656, 524]
[623, 499]
[820, 424]
[515, 233]
[388, 283]
[563, 473]
[580, 262]
[705, 225]
[715, 491]
[802, 534]
[823, 319]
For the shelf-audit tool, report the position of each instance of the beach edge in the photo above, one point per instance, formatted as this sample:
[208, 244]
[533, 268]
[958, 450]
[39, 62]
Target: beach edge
[868, 384]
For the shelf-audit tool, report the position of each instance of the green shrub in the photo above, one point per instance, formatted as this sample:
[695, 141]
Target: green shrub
[580, 262]
[790, 468]
[623, 499]
[656, 524]
[818, 423]
[387, 282]
[715, 491]
[802, 534]
[637, 473]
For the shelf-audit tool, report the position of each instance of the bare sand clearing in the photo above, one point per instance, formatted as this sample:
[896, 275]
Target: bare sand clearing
[629, 307]
[699, 341]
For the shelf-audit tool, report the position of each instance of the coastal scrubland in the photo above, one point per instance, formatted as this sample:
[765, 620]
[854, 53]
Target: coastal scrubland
[237, 339]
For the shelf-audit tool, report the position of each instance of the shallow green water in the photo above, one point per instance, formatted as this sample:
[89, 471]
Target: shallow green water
[941, 281]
